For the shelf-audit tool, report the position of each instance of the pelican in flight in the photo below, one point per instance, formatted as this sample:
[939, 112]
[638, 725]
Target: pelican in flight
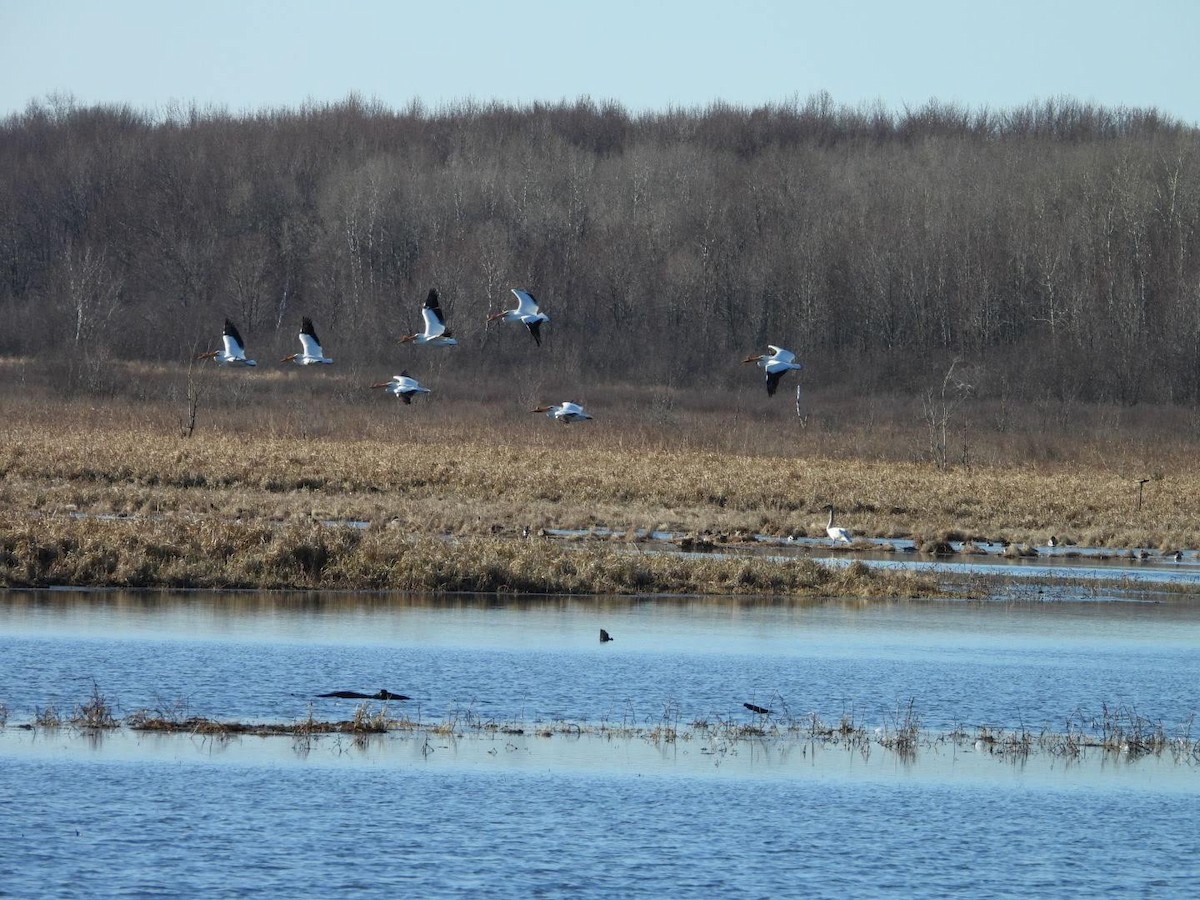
[565, 412]
[403, 386]
[311, 354]
[776, 364]
[234, 353]
[836, 532]
[527, 312]
[435, 333]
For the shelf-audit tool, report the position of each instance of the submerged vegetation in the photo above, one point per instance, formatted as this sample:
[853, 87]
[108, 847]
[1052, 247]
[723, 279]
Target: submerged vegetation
[1117, 730]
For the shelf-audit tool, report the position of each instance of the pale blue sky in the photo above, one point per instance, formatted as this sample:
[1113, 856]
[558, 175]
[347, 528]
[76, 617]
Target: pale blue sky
[246, 55]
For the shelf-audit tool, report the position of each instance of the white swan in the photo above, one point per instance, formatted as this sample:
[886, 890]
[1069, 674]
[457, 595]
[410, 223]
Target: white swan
[836, 532]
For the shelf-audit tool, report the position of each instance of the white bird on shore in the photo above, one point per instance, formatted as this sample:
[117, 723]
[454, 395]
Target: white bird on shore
[527, 312]
[311, 354]
[234, 353]
[835, 532]
[779, 362]
[435, 333]
[565, 412]
[403, 386]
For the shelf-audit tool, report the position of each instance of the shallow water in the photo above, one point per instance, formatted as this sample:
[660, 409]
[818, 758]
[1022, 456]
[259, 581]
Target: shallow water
[961, 663]
[130, 814]
[1061, 563]
[97, 826]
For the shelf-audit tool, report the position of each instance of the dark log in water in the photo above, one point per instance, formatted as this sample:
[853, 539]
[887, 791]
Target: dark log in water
[357, 695]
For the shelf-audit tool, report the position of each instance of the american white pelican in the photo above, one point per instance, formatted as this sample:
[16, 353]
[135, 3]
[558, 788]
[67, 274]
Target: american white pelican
[311, 354]
[403, 386]
[435, 333]
[565, 412]
[527, 312]
[836, 532]
[234, 353]
[776, 364]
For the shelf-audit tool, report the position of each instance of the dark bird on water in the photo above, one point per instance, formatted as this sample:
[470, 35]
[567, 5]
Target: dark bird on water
[761, 710]
[605, 637]
[358, 695]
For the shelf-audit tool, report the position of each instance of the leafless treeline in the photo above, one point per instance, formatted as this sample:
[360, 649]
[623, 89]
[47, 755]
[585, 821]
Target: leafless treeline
[1055, 247]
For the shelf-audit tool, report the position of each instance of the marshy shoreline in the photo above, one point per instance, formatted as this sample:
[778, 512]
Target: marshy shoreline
[1118, 732]
[113, 495]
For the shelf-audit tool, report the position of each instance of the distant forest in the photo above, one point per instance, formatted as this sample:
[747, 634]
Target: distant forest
[1052, 248]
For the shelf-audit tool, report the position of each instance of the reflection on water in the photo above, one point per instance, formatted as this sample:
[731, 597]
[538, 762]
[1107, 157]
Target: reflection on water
[520, 814]
[701, 755]
[265, 658]
[87, 826]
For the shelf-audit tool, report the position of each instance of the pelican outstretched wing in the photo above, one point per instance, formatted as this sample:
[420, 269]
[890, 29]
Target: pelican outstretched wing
[781, 355]
[309, 340]
[526, 305]
[234, 347]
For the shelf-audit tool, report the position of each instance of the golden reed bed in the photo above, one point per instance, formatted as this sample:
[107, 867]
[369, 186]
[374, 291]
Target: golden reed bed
[447, 491]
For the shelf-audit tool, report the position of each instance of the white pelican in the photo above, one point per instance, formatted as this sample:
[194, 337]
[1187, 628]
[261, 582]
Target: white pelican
[527, 312]
[403, 386]
[234, 353]
[779, 362]
[835, 532]
[435, 333]
[565, 412]
[311, 354]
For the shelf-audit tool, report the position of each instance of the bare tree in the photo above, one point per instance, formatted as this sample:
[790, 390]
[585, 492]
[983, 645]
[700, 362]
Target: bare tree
[938, 406]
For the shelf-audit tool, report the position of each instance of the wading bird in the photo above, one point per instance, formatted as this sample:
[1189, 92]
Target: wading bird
[234, 353]
[311, 354]
[836, 532]
[403, 386]
[435, 333]
[779, 362]
[527, 312]
[565, 412]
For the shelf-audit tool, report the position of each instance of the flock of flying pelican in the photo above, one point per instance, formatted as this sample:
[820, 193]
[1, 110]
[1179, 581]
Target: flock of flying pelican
[776, 364]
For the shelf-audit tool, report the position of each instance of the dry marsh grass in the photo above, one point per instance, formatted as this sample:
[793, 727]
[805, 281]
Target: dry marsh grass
[240, 501]
[135, 553]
